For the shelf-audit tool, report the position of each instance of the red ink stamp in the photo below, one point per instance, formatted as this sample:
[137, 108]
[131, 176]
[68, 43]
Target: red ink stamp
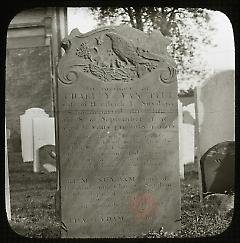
[143, 206]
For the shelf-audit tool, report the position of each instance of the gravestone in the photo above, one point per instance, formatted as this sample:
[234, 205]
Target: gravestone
[215, 113]
[186, 140]
[118, 134]
[188, 143]
[47, 158]
[215, 101]
[217, 166]
[27, 131]
[7, 188]
[43, 133]
[189, 114]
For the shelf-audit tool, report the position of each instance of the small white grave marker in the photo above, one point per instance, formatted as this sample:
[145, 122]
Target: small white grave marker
[27, 131]
[186, 137]
[188, 143]
[189, 113]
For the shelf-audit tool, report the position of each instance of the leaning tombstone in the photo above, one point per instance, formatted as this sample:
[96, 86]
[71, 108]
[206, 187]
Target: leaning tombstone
[214, 116]
[217, 167]
[47, 158]
[118, 134]
[27, 131]
[43, 133]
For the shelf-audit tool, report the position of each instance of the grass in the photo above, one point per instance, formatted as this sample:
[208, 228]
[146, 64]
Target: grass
[33, 205]
[32, 200]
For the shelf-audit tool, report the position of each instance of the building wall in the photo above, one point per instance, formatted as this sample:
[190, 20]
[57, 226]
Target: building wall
[28, 85]
[29, 69]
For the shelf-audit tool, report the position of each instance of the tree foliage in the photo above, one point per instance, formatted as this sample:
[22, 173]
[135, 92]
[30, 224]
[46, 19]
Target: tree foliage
[187, 28]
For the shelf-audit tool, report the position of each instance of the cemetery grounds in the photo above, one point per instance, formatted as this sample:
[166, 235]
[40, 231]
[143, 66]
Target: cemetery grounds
[34, 215]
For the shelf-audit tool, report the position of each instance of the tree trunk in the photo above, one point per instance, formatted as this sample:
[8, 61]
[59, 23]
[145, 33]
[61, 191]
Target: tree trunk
[131, 16]
[138, 16]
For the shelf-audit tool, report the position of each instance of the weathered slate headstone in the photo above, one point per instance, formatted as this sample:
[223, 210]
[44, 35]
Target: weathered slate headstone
[215, 113]
[218, 168]
[47, 158]
[118, 134]
[27, 131]
[43, 133]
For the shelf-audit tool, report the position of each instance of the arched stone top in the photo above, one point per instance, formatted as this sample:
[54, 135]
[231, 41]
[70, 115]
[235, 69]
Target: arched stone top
[115, 54]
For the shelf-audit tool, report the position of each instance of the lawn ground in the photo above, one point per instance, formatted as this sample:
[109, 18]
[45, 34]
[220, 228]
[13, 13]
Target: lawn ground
[33, 205]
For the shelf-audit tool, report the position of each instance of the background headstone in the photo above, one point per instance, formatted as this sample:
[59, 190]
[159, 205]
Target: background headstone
[188, 143]
[186, 137]
[217, 166]
[7, 188]
[215, 113]
[43, 133]
[47, 158]
[118, 134]
[26, 129]
[189, 114]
